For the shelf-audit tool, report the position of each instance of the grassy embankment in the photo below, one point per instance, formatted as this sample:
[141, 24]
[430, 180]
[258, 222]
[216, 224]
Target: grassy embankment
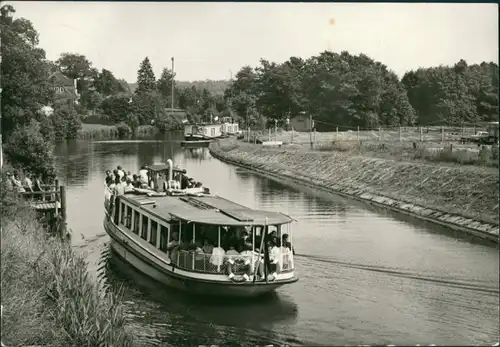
[100, 131]
[464, 190]
[391, 145]
[48, 297]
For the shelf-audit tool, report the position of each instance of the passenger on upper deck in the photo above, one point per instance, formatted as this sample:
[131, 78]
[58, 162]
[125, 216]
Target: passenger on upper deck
[160, 183]
[109, 178]
[119, 188]
[120, 171]
[232, 250]
[128, 186]
[136, 181]
[143, 174]
[184, 179]
[129, 176]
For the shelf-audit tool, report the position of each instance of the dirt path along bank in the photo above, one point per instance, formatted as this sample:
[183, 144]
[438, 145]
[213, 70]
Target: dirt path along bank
[463, 198]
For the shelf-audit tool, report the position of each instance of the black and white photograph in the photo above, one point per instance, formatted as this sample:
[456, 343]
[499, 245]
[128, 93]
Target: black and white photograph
[249, 174]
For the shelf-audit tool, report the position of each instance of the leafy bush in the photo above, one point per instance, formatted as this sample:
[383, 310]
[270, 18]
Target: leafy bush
[123, 129]
[66, 123]
[27, 149]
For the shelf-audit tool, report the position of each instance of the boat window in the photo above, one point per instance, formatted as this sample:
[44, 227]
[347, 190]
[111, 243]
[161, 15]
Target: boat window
[136, 222]
[163, 238]
[144, 229]
[122, 213]
[154, 228]
[128, 220]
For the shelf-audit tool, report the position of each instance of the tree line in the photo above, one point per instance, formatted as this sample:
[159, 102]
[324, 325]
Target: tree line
[347, 91]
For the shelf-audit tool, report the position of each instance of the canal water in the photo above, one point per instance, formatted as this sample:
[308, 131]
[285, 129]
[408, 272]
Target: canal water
[366, 276]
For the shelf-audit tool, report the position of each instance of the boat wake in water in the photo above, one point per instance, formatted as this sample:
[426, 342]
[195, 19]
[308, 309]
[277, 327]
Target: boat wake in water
[468, 284]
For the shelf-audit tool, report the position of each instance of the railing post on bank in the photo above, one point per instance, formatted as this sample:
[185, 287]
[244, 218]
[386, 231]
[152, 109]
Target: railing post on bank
[62, 227]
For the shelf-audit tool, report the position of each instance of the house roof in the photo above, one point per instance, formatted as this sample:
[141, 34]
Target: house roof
[209, 209]
[57, 77]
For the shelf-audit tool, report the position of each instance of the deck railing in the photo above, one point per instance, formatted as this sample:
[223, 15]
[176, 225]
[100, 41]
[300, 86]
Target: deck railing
[217, 264]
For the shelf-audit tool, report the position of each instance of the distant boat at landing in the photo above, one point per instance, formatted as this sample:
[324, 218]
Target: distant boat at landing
[211, 131]
[189, 239]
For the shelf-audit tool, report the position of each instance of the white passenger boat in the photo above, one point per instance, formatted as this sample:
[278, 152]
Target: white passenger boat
[197, 242]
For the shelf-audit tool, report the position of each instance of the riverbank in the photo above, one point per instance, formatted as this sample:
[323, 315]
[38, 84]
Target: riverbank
[464, 198]
[48, 297]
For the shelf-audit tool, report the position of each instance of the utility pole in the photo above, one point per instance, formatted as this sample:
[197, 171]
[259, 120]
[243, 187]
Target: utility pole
[173, 84]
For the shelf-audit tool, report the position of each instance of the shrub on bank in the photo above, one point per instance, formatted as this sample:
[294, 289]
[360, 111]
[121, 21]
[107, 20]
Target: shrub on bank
[123, 129]
[146, 130]
[48, 296]
[29, 150]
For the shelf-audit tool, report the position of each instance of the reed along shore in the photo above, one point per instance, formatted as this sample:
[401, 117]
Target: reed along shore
[48, 297]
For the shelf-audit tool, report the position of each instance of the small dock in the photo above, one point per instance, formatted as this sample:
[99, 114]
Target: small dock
[50, 205]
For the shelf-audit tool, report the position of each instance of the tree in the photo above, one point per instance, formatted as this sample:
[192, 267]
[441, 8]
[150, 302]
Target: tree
[164, 84]
[117, 108]
[27, 149]
[24, 70]
[106, 84]
[65, 122]
[75, 66]
[146, 81]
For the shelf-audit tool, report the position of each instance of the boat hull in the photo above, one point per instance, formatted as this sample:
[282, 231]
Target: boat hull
[196, 143]
[168, 275]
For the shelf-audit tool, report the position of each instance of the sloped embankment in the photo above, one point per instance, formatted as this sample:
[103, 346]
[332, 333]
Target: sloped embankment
[461, 197]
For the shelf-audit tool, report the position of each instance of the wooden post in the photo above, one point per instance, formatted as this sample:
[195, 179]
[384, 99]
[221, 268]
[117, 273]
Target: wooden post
[269, 134]
[337, 133]
[62, 230]
[442, 134]
[57, 189]
[358, 133]
[421, 134]
[292, 133]
[400, 138]
[379, 134]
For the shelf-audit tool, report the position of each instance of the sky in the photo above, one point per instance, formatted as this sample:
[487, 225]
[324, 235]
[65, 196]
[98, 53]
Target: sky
[211, 40]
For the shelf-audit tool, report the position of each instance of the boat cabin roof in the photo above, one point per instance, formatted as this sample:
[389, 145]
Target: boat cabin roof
[207, 209]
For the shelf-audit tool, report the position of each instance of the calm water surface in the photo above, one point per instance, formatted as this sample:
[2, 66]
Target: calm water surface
[365, 276]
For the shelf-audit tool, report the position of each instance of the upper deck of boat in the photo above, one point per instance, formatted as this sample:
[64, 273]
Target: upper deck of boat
[205, 209]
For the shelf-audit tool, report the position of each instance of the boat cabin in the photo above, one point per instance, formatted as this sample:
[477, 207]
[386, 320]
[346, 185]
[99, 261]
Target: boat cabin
[208, 234]
[203, 130]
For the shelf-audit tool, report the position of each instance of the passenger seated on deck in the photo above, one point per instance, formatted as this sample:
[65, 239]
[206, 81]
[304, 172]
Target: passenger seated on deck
[208, 246]
[250, 254]
[274, 256]
[287, 243]
[232, 250]
[173, 247]
[217, 258]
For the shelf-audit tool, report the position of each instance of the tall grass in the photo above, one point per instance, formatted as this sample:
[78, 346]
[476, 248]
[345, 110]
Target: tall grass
[48, 296]
[98, 131]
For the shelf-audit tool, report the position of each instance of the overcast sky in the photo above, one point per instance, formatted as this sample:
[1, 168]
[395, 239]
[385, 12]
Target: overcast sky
[210, 39]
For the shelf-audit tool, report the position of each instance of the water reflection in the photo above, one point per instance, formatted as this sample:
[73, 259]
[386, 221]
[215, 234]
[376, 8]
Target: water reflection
[215, 320]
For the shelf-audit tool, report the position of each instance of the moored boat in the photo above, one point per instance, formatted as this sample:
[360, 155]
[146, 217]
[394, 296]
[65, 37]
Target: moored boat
[192, 240]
